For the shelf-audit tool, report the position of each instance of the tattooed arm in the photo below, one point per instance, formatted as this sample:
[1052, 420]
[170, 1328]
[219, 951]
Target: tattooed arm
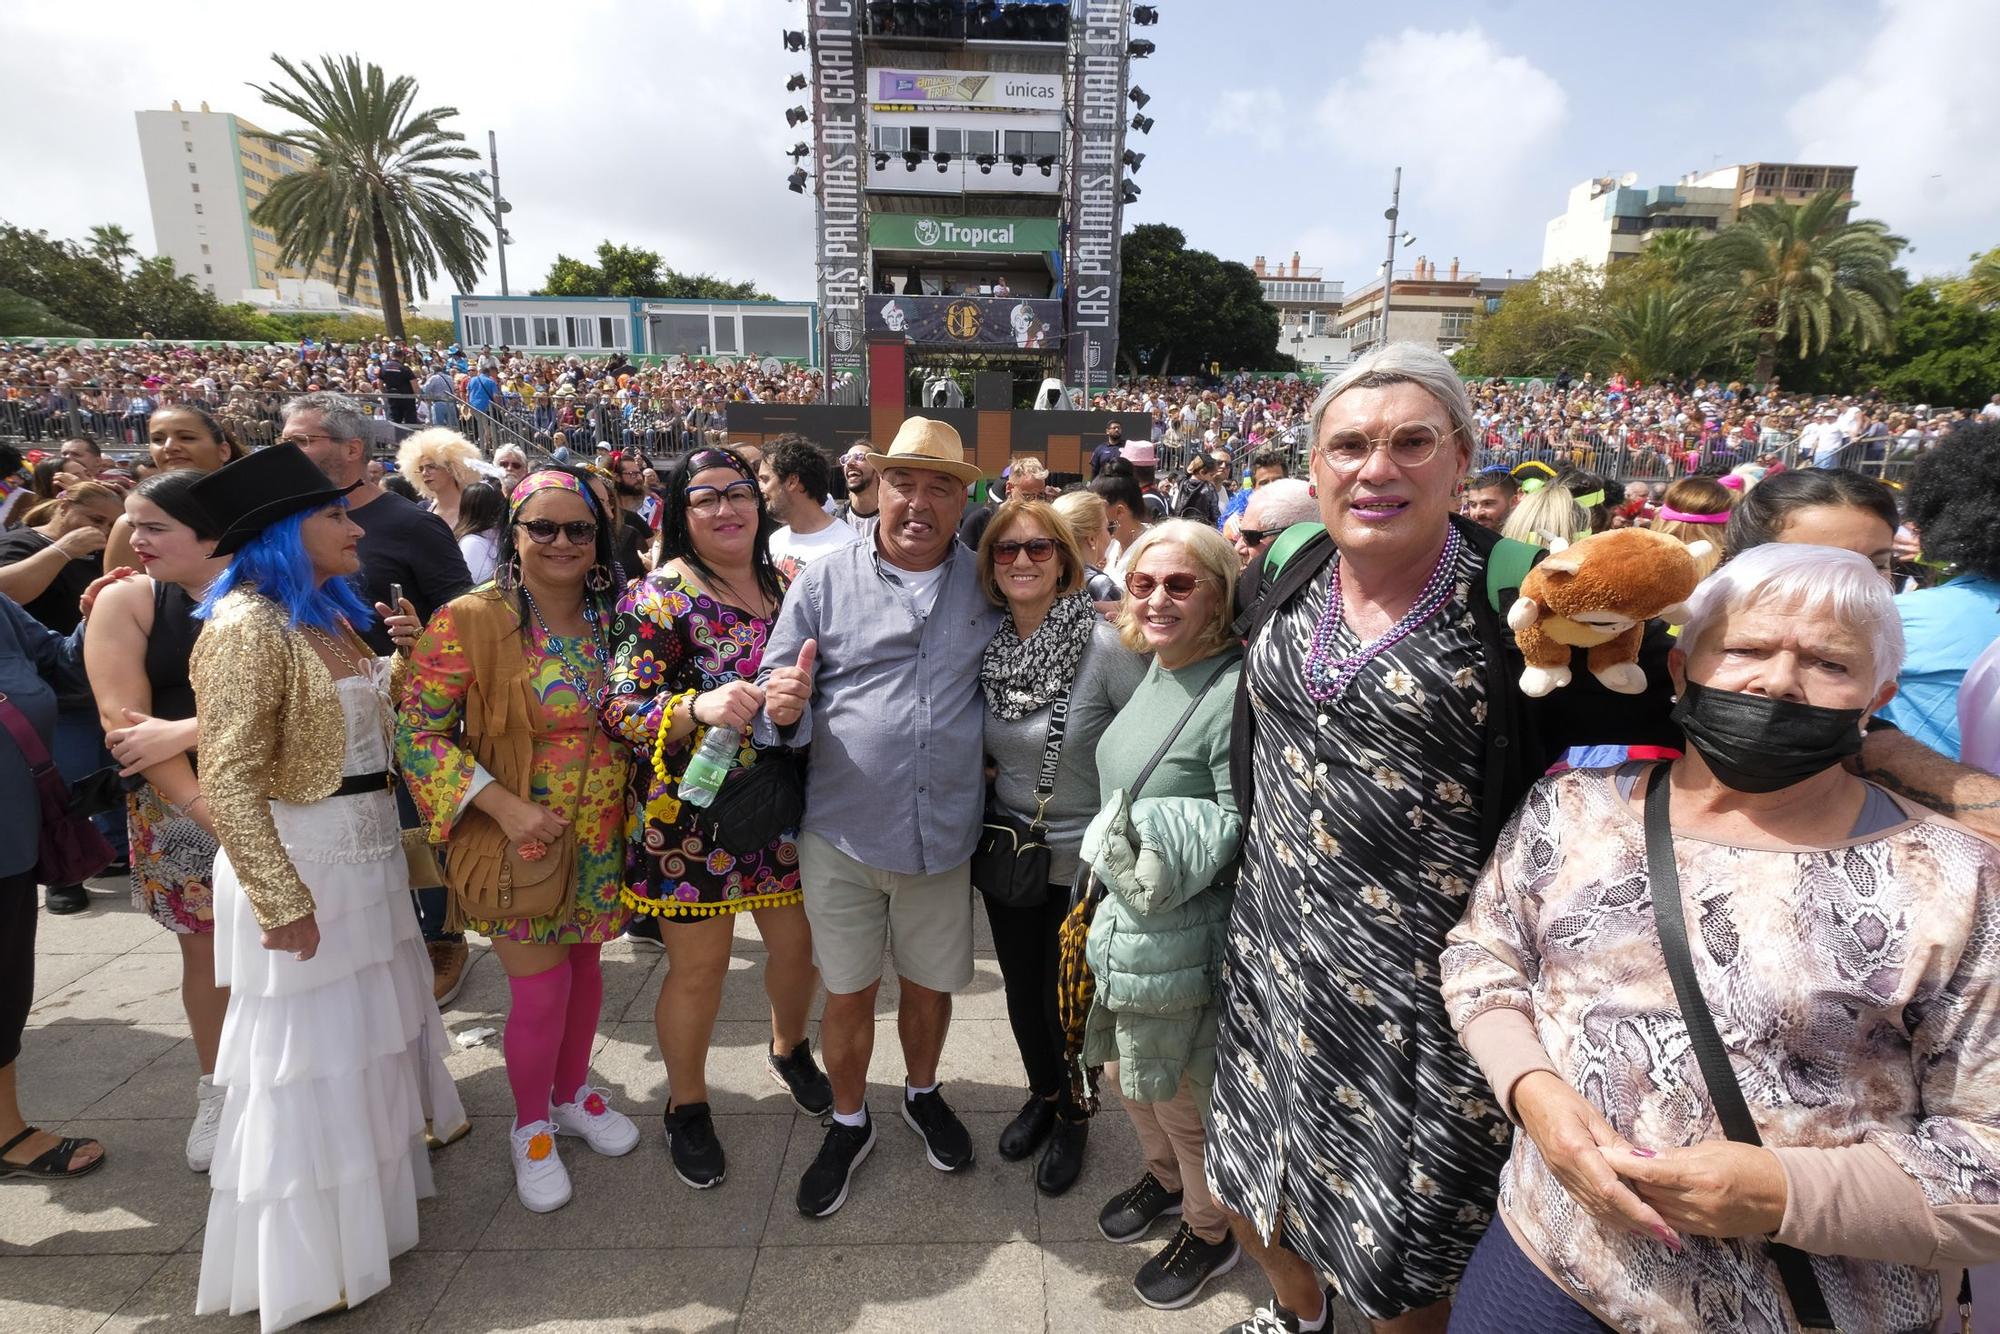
[1912, 769]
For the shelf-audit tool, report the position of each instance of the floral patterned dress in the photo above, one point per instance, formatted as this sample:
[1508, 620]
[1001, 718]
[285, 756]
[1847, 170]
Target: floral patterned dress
[574, 767]
[1344, 1107]
[670, 637]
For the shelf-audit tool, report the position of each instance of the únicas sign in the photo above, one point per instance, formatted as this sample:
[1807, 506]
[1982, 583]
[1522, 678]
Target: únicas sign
[918, 231]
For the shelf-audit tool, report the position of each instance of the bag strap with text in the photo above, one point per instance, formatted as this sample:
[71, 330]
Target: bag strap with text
[1052, 745]
[1724, 1093]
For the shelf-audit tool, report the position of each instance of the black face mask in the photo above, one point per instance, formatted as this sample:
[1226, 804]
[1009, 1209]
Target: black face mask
[1755, 743]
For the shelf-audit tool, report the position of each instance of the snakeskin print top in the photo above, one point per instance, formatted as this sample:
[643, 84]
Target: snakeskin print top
[1857, 990]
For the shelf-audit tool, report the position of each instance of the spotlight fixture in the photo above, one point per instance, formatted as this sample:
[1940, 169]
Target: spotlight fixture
[911, 159]
[1047, 164]
[1132, 160]
[881, 162]
[1128, 194]
[797, 116]
[1143, 124]
[798, 81]
[797, 151]
[794, 40]
[1139, 97]
[986, 163]
[1145, 15]
[796, 182]
[1020, 165]
[1138, 48]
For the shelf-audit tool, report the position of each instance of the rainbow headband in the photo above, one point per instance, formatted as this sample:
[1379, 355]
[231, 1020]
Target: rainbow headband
[1671, 515]
[704, 459]
[549, 479]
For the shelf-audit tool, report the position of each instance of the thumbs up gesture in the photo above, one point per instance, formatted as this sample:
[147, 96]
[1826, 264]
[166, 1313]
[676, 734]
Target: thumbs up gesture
[788, 689]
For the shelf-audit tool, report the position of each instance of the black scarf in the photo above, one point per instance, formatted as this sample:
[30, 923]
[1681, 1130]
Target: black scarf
[1020, 676]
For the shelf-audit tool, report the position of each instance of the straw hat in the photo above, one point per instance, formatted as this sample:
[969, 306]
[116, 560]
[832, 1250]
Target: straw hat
[923, 443]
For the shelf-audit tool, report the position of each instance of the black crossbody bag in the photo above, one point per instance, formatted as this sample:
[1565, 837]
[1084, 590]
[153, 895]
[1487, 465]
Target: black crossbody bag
[1801, 1286]
[1010, 865]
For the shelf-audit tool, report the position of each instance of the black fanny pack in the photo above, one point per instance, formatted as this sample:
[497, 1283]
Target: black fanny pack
[757, 805]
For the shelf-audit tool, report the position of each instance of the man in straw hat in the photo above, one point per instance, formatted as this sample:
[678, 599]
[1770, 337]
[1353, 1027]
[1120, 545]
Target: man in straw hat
[874, 661]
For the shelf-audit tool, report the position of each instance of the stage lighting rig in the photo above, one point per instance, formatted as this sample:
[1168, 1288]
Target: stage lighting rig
[986, 163]
[794, 40]
[1139, 97]
[1132, 160]
[1145, 15]
[797, 151]
[881, 162]
[798, 82]
[797, 116]
[1138, 48]
[1047, 164]
[1019, 162]
[796, 182]
[1143, 124]
[1128, 194]
[911, 159]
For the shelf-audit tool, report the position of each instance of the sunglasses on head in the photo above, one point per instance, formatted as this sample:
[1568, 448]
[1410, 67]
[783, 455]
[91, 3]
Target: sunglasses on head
[1180, 586]
[1039, 549]
[580, 532]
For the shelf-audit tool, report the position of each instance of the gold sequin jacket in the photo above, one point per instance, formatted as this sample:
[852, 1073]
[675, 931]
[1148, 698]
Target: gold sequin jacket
[271, 727]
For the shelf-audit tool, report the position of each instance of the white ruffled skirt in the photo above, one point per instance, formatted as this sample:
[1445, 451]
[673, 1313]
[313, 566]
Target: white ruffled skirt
[332, 1067]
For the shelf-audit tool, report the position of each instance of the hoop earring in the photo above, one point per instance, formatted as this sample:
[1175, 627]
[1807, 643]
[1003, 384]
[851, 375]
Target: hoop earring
[510, 573]
[598, 580]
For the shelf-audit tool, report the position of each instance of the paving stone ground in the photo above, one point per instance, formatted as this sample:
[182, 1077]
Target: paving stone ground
[107, 1054]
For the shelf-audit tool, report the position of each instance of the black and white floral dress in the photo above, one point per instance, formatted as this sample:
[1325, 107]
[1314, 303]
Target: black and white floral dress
[1344, 1107]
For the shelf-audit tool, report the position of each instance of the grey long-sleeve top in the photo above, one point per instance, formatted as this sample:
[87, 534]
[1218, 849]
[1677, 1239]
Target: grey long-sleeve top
[1105, 679]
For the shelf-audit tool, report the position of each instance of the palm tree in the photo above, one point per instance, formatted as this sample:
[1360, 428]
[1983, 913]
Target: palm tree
[1678, 250]
[1981, 287]
[1805, 272]
[112, 244]
[379, 190]
[1657, 332]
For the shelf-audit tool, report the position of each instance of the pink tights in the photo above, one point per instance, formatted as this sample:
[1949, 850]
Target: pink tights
[551, 1028]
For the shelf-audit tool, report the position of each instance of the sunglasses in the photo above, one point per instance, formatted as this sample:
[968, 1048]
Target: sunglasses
[1039, 550]
[1180, 587]
[1255, 536]
[580, 532]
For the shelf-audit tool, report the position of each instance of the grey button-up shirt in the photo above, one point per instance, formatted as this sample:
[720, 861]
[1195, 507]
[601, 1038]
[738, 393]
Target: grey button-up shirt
[897, 779]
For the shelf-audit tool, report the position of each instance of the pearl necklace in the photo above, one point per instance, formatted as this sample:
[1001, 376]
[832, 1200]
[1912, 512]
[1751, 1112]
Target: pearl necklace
[1326, 675]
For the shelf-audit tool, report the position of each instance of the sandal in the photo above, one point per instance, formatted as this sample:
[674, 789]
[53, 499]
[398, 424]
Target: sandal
[53, 1165]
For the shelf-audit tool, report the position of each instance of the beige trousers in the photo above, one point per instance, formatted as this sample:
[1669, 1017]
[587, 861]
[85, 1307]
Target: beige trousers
[1175, 1144]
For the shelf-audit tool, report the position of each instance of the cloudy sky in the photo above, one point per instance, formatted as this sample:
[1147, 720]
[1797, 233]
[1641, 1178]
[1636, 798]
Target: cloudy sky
[1279, 121]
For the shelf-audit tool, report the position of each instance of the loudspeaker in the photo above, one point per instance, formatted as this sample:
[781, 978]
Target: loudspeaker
[993, 391]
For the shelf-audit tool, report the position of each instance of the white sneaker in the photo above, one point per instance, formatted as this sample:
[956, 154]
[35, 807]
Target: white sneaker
[207, 1123]
[540, 1178]
[596, 1123]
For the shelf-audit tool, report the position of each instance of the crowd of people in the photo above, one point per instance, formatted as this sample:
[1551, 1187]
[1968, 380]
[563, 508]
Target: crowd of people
[1227, 740]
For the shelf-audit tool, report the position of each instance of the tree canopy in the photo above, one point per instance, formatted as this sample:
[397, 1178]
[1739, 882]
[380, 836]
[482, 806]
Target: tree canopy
[1183, 308]
[623, 270]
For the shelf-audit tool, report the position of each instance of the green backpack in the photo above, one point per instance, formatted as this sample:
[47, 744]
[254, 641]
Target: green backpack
[1505, 568]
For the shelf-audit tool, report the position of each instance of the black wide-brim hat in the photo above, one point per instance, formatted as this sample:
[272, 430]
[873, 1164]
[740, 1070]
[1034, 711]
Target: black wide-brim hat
[248, 496]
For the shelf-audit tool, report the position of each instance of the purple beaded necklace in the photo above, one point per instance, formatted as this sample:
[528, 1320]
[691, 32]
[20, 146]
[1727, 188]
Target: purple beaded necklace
[1326, 675]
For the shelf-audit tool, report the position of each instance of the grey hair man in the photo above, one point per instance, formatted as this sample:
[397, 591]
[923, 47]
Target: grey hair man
[1274, 507]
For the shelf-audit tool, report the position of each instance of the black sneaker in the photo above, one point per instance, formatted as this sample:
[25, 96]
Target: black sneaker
[692, 1144]
[1176, 1276]
[62, 900]
[946, 1143]
[1062, 1161]
[1025, 1133]
[1270, 1318]
[823, 1188]
[644, 929]
[810, 1091]
[1131, 1213]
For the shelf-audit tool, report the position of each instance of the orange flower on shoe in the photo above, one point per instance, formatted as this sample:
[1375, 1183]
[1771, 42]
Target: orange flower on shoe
[541, 1146]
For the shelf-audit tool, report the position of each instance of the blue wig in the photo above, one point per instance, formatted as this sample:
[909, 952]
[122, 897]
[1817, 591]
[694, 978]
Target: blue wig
[274, 563]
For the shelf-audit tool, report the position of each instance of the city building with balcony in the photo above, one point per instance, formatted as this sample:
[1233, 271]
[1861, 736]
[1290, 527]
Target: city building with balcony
[1425, 306]
[205, 171]
[1308, 307]
[1606, 219]
[642, 327]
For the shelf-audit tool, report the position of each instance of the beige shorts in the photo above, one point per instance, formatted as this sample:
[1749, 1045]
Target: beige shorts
[856, 910]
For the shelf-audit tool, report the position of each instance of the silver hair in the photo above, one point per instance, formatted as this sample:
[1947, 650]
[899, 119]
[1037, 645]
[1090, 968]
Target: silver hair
[1815, 581]
[339, 415]
[1282, 503]
[1405, 363]
[510, 451]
